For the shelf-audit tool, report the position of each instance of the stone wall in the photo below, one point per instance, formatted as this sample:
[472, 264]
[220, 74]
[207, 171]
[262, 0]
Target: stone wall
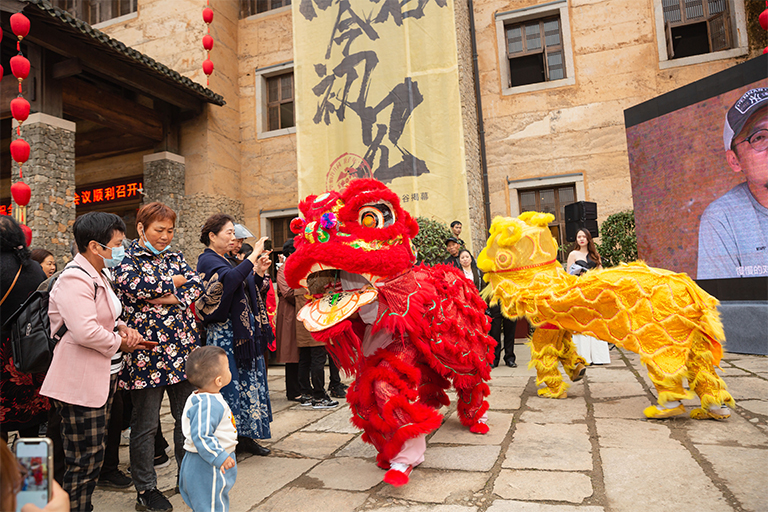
[474, 171]
[191, 216]
[50, 173]
[164, 180]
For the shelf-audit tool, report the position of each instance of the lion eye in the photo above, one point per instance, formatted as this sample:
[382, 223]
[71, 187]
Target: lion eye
[376, 216]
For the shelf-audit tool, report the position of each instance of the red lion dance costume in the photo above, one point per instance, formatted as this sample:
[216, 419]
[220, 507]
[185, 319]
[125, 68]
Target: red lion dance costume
[404, 332]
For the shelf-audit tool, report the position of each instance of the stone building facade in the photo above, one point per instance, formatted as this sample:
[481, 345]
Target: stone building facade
[565, 133]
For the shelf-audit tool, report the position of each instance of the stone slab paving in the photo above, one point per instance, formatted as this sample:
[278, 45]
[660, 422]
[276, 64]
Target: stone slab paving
[591, 452]
[542, 485]
[551, 446]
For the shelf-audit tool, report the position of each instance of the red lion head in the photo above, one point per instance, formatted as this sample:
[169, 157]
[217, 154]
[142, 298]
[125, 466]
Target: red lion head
[362, 230]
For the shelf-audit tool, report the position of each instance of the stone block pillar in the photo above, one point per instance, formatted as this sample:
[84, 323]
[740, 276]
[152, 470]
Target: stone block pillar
[50, 173]
[164, 179]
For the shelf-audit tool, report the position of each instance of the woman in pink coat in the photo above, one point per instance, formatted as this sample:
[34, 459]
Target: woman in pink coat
[83, 373]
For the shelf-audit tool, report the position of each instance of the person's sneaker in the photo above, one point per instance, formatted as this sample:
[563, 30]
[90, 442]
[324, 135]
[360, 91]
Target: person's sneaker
[115, 480]
[305, 400]
[324, 403]
[153, 501]
[162, 461]
[338, 391]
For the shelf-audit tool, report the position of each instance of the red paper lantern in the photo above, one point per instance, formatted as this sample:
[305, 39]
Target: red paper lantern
[21, 193]
[27, 234]
[207, 42]
[20, 67]
[20, 150]
[20, 25]
[765, 50]
[207, 66]
[208, 15]
[763, 19]
[20, 109]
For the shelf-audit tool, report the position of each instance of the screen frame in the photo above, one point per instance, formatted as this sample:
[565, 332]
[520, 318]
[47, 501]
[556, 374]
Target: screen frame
[47, 453]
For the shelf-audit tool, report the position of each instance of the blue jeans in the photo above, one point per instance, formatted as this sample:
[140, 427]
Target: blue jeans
[144, 422]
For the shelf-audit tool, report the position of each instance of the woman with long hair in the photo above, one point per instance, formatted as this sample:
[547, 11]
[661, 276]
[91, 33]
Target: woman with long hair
[583, 258]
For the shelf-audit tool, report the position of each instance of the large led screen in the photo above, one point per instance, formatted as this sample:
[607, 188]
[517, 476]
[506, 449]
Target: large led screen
[699, 208]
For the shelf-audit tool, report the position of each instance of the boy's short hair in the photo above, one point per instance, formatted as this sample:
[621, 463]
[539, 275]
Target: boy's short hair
[203, 365]
[456, 222]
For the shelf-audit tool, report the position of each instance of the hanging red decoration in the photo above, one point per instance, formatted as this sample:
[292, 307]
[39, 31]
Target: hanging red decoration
[208, 42]
[207, 66]
[20, 25]
[208, 15]
[20, 150]
[763, 19]
[27, 234]
[21, 193]
[20, 109]
[20, 67]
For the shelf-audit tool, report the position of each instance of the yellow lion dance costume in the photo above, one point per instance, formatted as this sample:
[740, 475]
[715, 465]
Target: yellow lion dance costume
[663, 316]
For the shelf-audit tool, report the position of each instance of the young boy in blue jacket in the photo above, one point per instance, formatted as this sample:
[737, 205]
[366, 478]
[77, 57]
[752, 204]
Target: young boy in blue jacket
[208, 470]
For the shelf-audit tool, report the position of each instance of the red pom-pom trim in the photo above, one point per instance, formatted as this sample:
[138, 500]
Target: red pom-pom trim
[20, 150]
[21, 193]
[207, 42]
[397, 478]
[479, 428]
[20, 25]
[297, 225]
[208, 15]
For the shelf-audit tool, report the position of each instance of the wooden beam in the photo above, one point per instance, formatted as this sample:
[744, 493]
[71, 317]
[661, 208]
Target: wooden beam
[105, 143]
[67, 68]
[85, 101]
[52, 36]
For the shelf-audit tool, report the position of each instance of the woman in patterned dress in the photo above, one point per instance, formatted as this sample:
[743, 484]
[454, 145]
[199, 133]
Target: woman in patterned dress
[156, 287]
[228, 310]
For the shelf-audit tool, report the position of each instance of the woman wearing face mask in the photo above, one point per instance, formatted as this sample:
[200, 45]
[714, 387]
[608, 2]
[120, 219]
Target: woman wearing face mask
[156, 286]
[83, 374]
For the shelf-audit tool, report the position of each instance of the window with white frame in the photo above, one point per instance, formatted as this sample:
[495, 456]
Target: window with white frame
[535, 48]
[275, 113]
[693, 27]
[696, 31]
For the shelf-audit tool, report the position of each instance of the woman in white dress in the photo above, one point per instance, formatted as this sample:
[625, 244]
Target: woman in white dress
[582, 259]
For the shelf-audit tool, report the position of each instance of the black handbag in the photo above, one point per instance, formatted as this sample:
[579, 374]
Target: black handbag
[29, 328]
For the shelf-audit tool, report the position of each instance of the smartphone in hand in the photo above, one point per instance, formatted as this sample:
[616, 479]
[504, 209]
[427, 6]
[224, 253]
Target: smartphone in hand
[35, 457]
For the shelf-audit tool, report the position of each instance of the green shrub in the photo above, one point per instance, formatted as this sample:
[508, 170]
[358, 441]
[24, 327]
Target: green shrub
[618, 240]
[430, 242]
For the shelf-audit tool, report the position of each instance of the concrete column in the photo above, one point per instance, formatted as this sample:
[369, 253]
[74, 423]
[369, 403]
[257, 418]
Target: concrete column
[50, 173]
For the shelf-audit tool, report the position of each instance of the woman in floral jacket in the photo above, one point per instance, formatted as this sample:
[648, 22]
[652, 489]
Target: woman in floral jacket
[156, 287]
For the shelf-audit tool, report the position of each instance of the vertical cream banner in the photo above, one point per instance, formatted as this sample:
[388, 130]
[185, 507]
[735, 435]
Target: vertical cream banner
[377, 96]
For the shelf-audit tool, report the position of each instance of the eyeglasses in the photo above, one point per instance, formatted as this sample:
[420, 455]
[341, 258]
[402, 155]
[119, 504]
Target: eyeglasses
[758, 141]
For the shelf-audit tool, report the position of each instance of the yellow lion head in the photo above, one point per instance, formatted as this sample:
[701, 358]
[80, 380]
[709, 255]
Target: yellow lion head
[518, 243]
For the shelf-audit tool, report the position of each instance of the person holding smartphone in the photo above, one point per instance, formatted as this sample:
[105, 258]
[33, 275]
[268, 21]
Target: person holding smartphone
[229, 310]
[82, 377]
[15, 473]
[157, 287]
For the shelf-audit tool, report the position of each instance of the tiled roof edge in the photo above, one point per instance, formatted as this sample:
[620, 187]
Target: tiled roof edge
[117, 46]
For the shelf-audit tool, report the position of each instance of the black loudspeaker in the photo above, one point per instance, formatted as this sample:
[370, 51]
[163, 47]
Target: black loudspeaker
[580, 215]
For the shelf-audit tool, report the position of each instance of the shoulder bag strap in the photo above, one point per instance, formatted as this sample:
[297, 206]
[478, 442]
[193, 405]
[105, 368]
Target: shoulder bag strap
[12, 285]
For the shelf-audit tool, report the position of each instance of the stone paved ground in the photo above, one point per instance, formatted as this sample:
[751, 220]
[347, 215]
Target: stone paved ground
[592, 452]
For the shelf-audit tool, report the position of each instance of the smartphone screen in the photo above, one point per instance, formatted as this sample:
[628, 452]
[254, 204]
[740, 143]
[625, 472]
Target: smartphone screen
[33, 455]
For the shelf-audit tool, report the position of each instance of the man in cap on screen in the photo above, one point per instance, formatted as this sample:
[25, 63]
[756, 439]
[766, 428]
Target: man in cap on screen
[734, 228]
